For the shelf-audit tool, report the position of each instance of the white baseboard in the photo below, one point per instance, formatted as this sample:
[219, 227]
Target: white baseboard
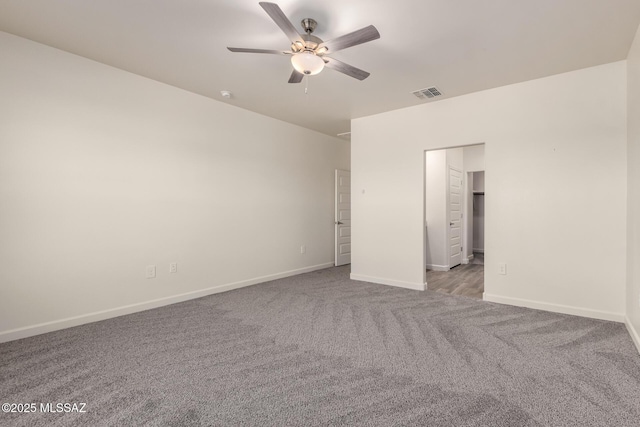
[41, 328]
[556, 308]
[389, 282]
[437, 267]
[634, 334]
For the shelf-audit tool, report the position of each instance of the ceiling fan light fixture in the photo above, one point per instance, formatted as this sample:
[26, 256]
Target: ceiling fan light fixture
[307, 63]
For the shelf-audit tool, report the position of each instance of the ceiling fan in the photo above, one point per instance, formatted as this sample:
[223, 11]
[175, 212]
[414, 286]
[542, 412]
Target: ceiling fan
[309, 54]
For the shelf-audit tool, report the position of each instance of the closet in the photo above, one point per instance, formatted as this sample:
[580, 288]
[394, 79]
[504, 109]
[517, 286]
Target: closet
[478, 213]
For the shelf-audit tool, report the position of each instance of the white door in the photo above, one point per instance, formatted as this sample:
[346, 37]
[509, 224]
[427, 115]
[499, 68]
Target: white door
[343, 217]
[455, 217]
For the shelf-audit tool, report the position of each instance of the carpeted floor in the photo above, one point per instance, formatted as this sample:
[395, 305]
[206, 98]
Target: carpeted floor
[319, 349]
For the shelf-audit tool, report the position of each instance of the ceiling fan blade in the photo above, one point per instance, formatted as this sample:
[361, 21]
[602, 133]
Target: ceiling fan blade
[274, 11]
[242, 49]
[296, 77]
[360, 36]
[347, 69]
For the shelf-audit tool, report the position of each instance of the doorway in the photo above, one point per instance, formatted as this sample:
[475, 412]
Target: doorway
[454, 220]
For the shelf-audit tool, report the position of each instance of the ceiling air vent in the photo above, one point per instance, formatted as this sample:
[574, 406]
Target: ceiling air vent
[428, 93]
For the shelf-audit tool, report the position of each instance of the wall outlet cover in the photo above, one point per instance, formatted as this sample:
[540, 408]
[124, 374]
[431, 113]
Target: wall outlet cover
[502, 268]
[151, 271]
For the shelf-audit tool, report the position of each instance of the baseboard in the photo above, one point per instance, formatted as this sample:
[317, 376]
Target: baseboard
[69, 322]
[556, 308]
[437, 267]
[389, 282]
[634, 334]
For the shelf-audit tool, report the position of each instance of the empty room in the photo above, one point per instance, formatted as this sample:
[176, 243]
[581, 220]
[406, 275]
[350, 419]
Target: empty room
[313, 213]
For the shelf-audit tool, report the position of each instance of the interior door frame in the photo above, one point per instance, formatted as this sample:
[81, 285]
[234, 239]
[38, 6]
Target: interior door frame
[424, 202]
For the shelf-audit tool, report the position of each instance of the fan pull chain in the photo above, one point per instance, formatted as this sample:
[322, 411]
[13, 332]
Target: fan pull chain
[306, 85]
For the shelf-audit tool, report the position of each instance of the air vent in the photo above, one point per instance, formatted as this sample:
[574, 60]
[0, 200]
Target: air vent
[428, 93]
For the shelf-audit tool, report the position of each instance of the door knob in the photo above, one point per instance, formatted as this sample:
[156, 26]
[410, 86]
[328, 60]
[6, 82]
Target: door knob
[339, 223]
[451, 224]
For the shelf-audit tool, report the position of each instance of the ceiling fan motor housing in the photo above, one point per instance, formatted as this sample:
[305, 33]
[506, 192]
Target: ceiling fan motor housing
[310, 44]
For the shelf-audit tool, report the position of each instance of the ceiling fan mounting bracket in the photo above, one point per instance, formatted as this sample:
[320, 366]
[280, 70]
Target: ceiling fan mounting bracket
[309, 25]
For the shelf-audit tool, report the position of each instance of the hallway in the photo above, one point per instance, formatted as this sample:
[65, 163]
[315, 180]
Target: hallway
[466, 279]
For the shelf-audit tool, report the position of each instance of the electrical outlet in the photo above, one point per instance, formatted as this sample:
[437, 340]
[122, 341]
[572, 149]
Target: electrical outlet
[502, 268]
[151, 271]
[173, 267]
[303, 249]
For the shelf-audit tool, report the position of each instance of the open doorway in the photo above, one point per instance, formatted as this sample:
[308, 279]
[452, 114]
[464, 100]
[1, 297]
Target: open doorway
[454, 220]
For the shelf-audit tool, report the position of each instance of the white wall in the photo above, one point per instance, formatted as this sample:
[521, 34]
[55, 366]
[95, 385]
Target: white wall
[435, 214]
[103, 172]
[478, 181]
[633, 219]
[473, 158]
[455, 159]
[548, 230]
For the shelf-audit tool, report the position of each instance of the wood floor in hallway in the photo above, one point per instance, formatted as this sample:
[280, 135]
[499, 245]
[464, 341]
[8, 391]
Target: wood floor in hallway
[466, 280]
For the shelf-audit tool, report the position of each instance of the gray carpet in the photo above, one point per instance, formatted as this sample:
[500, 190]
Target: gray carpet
[321, 350]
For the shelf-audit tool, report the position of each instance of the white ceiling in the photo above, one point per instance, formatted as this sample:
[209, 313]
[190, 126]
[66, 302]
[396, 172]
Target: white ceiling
[461, 46]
